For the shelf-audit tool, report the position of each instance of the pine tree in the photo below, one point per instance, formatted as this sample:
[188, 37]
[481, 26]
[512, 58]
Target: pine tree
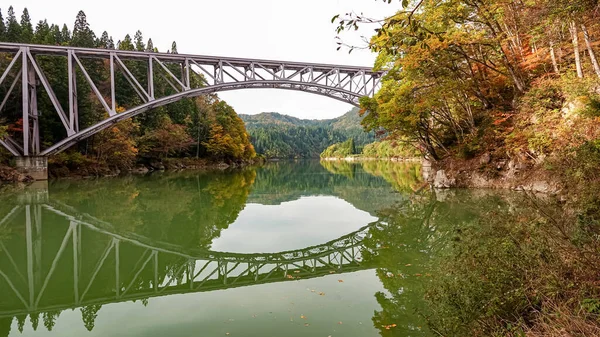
[82, 34]
[126, 44]
[150, 46]
[43, 34]
[55, 34]
[104, 40]
[13, 29]
[2, 28]
[26, 27]
[139, 41]
[65, 35]
[111, 43]
[174, 48]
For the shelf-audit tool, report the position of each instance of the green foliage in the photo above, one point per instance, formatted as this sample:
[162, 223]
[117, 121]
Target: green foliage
[340, 150]
[508, 273]
[280, 136]
[390, 149]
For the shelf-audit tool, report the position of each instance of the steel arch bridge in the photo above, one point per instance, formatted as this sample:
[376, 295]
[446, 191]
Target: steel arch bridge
[344, 83]
[42, 274]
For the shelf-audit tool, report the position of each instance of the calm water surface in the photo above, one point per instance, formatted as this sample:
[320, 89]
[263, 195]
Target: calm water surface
[289, 249]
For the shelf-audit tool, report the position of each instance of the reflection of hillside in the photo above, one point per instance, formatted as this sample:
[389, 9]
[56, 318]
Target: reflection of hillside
[187, 209]
[403, 176]
[281, 182]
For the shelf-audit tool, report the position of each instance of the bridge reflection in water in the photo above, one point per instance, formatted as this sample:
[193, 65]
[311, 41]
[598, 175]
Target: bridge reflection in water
[87, 263]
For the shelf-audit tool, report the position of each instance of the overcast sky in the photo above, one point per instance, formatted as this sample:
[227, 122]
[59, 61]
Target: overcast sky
[290, 30]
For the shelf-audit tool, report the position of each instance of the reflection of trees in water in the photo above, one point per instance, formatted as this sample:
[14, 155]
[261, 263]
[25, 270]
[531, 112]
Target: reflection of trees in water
[89, 314]
[186, 209]
[420, 231]
[281, 182]
[190, 210]
[402, 176]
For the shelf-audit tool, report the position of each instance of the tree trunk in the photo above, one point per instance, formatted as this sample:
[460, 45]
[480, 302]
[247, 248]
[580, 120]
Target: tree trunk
[573, 31]
[553, 57]
[586, 37]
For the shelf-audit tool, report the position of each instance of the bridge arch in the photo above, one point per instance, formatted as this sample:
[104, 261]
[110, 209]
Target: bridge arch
[318, 89]
[343, 83]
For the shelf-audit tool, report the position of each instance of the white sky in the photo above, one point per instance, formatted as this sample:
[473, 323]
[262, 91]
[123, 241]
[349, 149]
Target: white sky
[287, 30]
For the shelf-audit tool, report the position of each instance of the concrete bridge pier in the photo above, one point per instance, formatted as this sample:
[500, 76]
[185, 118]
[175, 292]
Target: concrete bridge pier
[34, 166]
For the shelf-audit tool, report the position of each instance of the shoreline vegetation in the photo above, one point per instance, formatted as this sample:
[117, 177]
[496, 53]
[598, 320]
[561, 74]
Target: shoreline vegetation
[501, 94]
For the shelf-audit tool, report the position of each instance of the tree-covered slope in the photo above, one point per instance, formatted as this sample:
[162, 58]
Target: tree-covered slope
[280, 136]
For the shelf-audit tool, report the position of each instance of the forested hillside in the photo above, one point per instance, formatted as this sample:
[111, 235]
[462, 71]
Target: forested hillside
[280, 136]
[202, 127]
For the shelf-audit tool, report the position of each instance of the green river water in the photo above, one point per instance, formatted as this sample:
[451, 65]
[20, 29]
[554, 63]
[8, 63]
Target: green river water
[289, 249]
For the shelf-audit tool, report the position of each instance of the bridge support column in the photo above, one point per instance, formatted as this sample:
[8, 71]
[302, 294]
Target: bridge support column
[34, 166]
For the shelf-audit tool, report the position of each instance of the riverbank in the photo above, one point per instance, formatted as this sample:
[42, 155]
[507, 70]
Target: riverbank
[88, 169]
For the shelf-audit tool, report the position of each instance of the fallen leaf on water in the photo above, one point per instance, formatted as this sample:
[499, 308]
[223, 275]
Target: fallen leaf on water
[418, 275]
[306, 324]
[227, 333]
[302, 316]
[296, 271]
[332, 272]
[340, 322]
[289, 276]
[322, 293]
[340, 281]
[312, 290]
[408, 265]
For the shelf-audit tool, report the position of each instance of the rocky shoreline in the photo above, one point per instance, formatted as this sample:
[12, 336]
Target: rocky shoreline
[485, 172]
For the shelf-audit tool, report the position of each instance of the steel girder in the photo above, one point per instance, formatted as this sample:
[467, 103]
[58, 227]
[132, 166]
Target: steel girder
[344, 83]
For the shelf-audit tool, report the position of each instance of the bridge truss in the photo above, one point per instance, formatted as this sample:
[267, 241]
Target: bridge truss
[344, 83]
[157, 269]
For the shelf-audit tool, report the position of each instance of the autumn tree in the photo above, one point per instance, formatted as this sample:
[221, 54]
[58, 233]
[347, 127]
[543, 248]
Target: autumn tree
[166, 140]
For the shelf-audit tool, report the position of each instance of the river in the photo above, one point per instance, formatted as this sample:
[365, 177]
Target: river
[288, 249]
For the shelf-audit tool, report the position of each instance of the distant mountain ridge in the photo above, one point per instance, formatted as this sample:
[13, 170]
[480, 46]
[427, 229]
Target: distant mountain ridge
[281, 136]
[349, 120]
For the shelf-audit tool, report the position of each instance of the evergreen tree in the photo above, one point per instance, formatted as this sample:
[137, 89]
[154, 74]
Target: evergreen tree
[126, 44]
[174, 48]
[150, 45]
[111, 43]
[13, 29]
[83, 36]
[104, 40]
[139, 41]
[2, 27]
[65, 35]
[55, 31]
[26, 27]
[43, 34]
